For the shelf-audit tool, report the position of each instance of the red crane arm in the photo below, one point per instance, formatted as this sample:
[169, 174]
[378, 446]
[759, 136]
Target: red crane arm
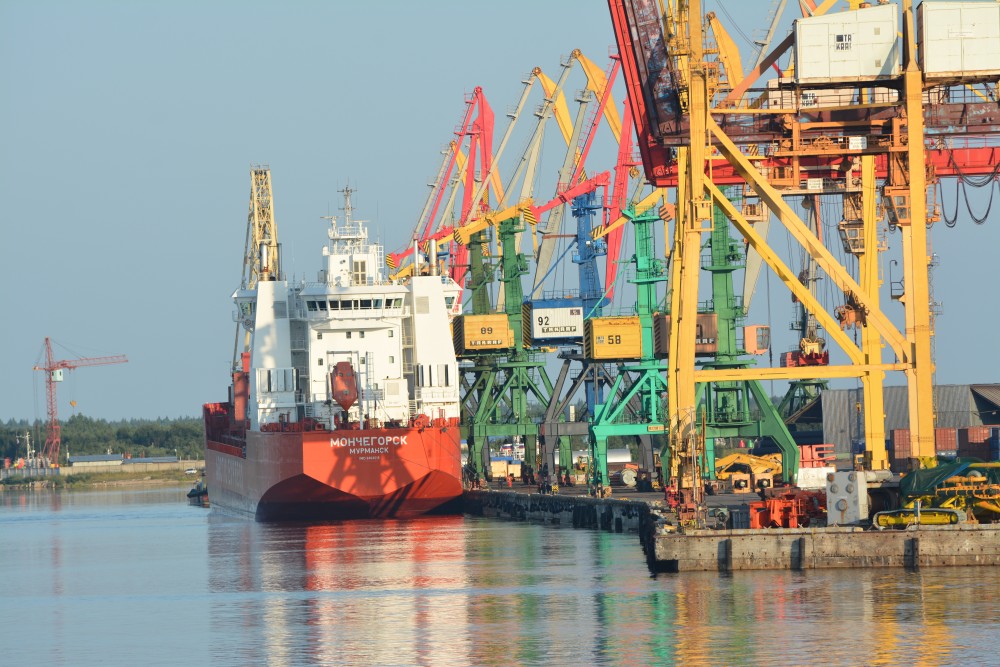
[600, 180]
[70, 364]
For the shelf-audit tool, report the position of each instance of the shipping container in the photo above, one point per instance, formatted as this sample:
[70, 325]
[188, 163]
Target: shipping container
[945, 440]
[612, 338]
[974, 442]
[706, 335]
[474, 333]
[971, 441]
[975, 450]
[552, 321]
[851, 46]
[958, 39]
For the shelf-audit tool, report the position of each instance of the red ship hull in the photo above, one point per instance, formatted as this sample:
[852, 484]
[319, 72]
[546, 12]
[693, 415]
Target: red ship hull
[334, 475]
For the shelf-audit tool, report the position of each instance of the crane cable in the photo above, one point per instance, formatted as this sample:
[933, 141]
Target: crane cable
[962, 182]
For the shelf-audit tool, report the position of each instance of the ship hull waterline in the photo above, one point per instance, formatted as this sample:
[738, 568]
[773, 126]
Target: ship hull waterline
[336, 475]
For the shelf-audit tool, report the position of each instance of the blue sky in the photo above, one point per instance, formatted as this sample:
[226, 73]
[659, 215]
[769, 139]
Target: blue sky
[129, 129]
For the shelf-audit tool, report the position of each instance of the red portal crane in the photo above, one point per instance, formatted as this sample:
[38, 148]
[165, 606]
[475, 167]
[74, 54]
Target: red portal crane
[54, 369]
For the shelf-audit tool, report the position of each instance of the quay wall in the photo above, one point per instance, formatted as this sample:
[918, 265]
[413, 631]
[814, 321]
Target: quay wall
[745, 549]
[836, 547]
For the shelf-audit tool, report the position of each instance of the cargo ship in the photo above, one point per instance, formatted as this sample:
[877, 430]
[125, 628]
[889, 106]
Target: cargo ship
[344, 402]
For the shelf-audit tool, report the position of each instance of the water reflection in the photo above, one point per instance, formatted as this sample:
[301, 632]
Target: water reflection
[372, 593]
[461, 591]
[141, 577]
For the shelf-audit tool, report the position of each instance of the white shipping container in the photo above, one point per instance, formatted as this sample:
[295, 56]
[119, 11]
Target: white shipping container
[561, 322]
[858, 45]
[956, 39]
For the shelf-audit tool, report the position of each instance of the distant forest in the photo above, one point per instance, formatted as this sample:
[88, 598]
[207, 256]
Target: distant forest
[136, 437]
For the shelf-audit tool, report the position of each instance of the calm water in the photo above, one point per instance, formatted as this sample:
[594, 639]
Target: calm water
[142, 578]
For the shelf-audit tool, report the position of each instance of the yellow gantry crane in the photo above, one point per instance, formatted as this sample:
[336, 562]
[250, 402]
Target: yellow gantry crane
[698, 135]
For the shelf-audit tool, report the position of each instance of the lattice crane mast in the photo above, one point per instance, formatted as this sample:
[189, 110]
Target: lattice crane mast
[261, 255]
[54, 374]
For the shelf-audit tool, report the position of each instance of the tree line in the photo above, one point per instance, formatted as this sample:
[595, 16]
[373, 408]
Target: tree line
[82, 435]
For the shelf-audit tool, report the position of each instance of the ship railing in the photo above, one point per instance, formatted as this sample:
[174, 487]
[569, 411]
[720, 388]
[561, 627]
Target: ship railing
[298, 343]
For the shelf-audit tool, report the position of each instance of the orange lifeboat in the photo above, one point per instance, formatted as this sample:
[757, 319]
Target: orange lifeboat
[345, 386]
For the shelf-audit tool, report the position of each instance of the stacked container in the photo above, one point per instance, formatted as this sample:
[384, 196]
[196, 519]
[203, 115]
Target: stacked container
[899, 448]
[974, 442]
[946, 442]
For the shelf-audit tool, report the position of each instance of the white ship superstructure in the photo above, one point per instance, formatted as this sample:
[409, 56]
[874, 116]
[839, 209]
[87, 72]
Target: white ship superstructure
[353, 314]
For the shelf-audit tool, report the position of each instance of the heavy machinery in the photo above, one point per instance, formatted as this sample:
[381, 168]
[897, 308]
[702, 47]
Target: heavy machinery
[959, 492]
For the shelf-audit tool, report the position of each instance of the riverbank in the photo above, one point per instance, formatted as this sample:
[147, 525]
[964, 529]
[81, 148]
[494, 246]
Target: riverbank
[99, 480]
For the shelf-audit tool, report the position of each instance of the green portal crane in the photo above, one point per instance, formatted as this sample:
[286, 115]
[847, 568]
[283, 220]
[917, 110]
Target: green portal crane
[502, 381]
[735, 409]
[646, 387]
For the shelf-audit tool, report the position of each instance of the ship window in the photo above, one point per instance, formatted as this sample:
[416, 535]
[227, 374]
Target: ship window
[359, 272]
[377, 303]
[345, 305]
[390, 333]
[448, 300]
[319, 335]
[363, 360]
[348, 334]
[397, 303]
[322, 305]
[311, 305]
[361, 334]
[319, 362]
[366, 304]
[392, 359]
[334, 304]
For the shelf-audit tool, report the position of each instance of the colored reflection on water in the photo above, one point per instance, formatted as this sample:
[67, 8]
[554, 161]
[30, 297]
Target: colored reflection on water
[142, 578]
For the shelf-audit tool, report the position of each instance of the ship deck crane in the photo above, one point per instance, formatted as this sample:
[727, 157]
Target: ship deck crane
[54, 374]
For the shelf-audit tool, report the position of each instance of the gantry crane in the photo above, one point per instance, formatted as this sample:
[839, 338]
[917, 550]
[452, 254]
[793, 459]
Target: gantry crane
[54, 374]
[795, 138]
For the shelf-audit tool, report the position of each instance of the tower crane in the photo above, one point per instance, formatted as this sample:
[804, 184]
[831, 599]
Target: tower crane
[54, 374]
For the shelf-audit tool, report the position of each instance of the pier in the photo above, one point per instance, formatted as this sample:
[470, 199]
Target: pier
[669, 548]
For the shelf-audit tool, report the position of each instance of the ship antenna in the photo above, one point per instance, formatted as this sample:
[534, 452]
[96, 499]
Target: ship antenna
[348, 209]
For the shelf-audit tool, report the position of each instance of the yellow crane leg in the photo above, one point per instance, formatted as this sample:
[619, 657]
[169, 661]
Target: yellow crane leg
[871, 343]
[920, 377]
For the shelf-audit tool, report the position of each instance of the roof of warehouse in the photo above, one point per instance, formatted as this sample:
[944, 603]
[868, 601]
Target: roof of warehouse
[991, 392]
